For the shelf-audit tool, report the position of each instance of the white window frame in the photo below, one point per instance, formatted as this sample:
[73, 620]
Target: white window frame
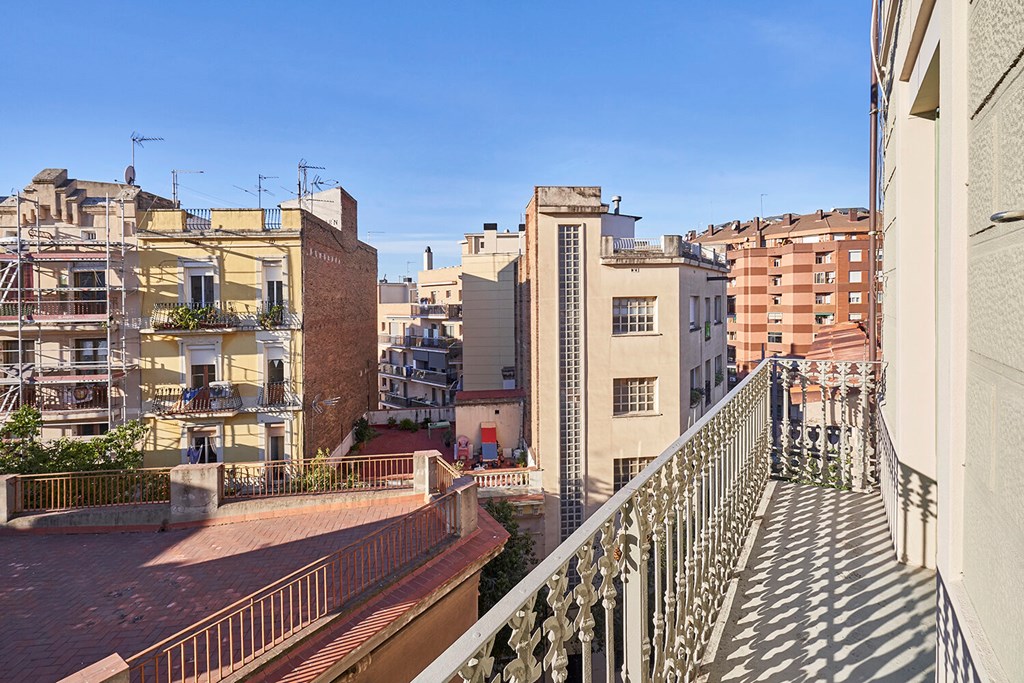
[634, 396]
[855, 298]
[634, 315]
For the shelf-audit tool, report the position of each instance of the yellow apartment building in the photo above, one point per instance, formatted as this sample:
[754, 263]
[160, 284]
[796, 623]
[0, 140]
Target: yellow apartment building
[233, 302]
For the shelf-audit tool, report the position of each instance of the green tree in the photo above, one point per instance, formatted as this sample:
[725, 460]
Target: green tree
[512, 564]
[23, 452]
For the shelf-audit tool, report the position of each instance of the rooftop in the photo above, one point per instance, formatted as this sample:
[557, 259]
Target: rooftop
[788, 224]
[123, 592]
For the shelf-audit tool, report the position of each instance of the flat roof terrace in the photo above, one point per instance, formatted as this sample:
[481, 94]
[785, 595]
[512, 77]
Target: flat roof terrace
[69, 600]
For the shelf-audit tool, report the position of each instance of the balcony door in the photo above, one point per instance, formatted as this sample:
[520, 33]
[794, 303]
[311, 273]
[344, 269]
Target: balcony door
[202, 445]
[89, 292]
[90, 356]
[201, 288]
[275, 375]
[273, 283]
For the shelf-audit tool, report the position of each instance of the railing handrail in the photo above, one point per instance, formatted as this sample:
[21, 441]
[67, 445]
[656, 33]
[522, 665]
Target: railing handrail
[496, 618]
[44, 475]
[199, 626]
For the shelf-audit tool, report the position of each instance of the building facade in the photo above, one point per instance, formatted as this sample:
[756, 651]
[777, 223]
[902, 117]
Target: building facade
[622, 347]
[490, 260]
[257, 340]
[951, 145]
[791, 276]
[419, 341]
[68, 298]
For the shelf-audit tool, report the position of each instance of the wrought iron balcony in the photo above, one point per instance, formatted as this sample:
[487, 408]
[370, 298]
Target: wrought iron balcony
[414, 342]
[635, 592]
[278, 395]
[212, 315]
[431, 377]
[53, 310]
[215, 398]
[437, 311]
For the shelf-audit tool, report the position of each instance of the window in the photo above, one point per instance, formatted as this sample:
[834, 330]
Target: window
[90, 353]
[626, 469]
[732, 335]
[822, 298]
[855, 276]
[730, 305]
[878, 254]
[275, 442]
[823, 257]
[855, 316]
[10, 351]
[855, 297]
[707, 309]
[202, 445]
[811, 239]
[776, 299]
[776, 263]
[839, 238]
[774, 318]
[632, 314]
[824, 318]
[732, 282]
[718, 309]
[694, 312]
[719, 374]
[633, 395]
[91, 429]
[774, 337]
[776, 280]
[855, 255]
[273, 283]
[695, 383]
[825, 278]
[200, 287]
[202, 366]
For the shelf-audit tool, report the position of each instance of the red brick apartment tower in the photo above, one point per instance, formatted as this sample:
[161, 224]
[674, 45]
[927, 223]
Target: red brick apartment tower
[791, 277]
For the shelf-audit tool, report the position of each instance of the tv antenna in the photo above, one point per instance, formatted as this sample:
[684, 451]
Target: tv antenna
[174, 183]
[260, 190]
[304, 168]
[137, 140]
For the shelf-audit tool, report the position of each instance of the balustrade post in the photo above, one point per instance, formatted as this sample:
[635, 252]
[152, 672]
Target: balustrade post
[196, 490]
[9, 498]
[424, 473]
[467, 510]
[634, 594]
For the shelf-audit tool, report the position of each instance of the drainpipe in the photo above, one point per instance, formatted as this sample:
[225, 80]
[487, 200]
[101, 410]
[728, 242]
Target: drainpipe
[873, 194]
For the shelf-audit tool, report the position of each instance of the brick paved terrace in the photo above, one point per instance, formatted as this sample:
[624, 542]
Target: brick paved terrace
[393, 440]
[67, 601]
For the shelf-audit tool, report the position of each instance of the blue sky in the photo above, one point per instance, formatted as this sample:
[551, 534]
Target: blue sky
[441, 116]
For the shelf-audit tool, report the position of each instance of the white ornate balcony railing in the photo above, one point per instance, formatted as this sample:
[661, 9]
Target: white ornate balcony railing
[635, 591]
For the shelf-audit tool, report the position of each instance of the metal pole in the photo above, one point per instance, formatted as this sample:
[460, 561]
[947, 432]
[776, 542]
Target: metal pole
[106, 284]
[18, 285]
[873, 195]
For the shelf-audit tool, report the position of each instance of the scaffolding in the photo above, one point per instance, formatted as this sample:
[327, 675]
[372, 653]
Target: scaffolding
[63, 307]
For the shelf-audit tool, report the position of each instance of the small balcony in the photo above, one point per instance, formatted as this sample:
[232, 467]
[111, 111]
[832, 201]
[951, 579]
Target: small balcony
[436, 311]
[218, 397]
[432, 377]
[64, 398]
[758, 546]
[54, 311]
[278, 395]
[414, 342]
[396, 400]
[220, 315]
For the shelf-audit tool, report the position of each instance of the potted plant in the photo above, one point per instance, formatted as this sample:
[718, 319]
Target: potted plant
[719, 378]
[271, 316]
[695, 397]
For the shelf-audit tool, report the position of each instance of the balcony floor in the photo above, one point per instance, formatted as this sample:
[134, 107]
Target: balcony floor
[822, 598]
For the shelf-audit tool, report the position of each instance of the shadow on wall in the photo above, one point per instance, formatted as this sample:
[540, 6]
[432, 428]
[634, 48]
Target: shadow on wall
[918, 507]
[823, 599]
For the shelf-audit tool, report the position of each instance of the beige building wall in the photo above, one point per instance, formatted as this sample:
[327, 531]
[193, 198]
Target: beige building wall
[489, 263]
[572, 274]
[954, 157]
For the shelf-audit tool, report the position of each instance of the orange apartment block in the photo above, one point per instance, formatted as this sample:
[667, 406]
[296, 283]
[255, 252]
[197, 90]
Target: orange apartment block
[792, 276]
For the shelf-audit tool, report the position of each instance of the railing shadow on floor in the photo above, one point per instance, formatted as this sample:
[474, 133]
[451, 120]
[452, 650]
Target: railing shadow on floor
[822, 597]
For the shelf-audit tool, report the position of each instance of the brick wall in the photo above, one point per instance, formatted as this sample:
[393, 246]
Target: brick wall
[339, 279]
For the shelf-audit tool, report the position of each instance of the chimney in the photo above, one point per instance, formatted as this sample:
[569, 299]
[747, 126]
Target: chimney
[854, 215]
[522, 227]
[490, 238]
[428, 259]
[615, 200]
[787, 220]
[691, 236]
[820, 214]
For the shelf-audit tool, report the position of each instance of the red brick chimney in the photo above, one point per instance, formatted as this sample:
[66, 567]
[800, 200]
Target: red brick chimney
[821, 214]
[854, 215]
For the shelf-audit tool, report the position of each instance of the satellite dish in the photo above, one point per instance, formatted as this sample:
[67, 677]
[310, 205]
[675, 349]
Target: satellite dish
[129, 174]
